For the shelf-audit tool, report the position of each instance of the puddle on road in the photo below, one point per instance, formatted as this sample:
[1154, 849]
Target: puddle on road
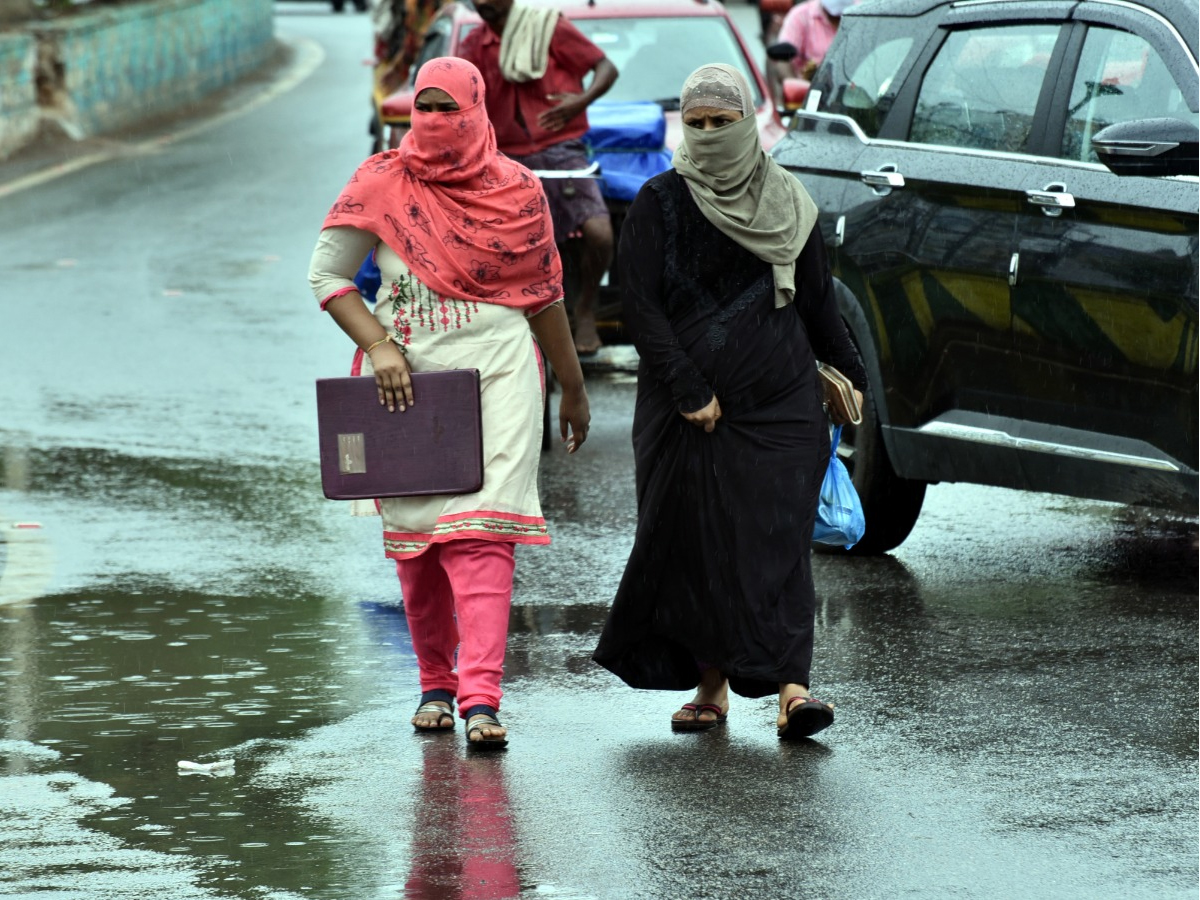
[115, 690]
[122, 688]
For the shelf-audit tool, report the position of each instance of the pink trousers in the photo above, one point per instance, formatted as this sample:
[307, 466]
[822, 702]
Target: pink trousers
[456, 598]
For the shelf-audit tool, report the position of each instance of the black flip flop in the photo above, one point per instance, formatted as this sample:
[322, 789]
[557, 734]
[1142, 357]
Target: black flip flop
[483, 716]
[429, 705]
[805, 717]
[695, 723]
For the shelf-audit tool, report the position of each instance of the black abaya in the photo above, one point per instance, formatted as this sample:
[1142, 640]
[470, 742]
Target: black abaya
[720, 573]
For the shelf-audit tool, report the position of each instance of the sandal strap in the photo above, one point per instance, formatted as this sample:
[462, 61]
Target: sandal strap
[802, 699]
[483, 720]
[431, 708]
[698, 708]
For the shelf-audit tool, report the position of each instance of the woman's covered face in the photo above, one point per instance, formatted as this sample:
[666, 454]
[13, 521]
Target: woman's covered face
[708, 118]
[435, 100]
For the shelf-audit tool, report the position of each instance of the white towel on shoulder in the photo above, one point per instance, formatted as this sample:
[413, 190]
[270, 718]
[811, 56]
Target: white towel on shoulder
[525, 44]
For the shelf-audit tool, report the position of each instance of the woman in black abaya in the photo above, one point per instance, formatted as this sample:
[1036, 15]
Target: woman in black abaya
[728, 297]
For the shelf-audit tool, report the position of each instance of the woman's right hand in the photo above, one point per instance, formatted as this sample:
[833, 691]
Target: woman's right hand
[705, 418]
[573, 410]
[393, 377]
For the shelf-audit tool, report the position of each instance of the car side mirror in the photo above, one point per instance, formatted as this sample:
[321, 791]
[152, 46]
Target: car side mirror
[782, 52]
[1154, 147]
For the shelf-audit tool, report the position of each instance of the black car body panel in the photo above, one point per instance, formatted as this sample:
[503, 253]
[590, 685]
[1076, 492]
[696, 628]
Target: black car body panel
[1028, 317]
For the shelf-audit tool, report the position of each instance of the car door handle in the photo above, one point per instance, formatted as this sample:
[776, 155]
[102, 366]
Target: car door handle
[1053, 199]
[883, 177]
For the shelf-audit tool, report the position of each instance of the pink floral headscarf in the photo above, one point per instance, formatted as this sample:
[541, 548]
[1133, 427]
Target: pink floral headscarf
[468, 221]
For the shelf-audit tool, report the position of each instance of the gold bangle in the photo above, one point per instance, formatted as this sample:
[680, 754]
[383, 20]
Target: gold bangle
[382, 340]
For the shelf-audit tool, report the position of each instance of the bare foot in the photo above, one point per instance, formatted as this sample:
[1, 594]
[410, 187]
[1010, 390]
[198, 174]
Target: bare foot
[587, 338]
[429, 718]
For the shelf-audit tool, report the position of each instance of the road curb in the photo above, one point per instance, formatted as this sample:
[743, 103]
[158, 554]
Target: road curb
[611, 358]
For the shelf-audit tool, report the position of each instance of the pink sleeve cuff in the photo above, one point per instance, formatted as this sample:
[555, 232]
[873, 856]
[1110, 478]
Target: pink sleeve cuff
[338, 293]
[533, 311]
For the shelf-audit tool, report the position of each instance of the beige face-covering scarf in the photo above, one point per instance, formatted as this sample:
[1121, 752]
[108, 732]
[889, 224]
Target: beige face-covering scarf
[525, 44]
[738, 187]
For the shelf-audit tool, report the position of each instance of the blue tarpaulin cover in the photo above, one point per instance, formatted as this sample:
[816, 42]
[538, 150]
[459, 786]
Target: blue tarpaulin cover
[627, 140]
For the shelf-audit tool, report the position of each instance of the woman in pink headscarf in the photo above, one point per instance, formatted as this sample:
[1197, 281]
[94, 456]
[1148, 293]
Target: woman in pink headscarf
[463, 240]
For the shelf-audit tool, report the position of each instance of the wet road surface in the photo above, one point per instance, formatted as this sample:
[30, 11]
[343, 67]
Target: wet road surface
[1016, 685]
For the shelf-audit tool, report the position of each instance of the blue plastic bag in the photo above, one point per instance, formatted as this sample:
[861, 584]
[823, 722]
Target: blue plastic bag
[627, 140]
[840, 521]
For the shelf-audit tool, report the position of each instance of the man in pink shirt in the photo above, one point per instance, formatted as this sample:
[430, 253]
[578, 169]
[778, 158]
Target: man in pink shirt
[809, 27]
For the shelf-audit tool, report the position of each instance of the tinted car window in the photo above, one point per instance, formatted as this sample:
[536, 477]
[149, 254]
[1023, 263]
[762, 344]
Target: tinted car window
[870, 82]
[981, 89]
[656, 55]
[1120, 78]
[870, 66]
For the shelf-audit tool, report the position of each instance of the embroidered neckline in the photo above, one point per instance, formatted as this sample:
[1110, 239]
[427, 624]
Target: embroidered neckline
[669, 194]
[414, 305]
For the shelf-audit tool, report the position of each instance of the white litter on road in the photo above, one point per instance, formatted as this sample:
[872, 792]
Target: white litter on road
[218, 769]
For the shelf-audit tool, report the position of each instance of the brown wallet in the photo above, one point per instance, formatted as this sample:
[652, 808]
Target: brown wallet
[840, 399]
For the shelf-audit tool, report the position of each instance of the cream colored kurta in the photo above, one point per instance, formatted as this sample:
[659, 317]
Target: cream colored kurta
[438, 333]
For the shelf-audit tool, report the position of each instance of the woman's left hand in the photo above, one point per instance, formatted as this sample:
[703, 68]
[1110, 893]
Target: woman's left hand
[837, 416]
[706, 417]
[573, 410]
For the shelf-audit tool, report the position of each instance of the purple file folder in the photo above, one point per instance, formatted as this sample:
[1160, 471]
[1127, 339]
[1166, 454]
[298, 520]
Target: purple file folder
[433, 447]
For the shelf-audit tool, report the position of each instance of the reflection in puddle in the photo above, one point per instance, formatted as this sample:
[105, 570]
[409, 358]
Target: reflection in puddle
[463, 844]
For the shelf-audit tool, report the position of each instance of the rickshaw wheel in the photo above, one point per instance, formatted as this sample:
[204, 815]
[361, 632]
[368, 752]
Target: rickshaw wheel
[375, 130]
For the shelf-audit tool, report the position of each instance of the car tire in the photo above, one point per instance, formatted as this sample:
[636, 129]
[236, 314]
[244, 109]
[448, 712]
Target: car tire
[339, 5]
[891, 504]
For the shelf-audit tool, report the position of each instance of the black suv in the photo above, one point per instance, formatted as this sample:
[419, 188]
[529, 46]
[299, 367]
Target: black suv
[1008, 192]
